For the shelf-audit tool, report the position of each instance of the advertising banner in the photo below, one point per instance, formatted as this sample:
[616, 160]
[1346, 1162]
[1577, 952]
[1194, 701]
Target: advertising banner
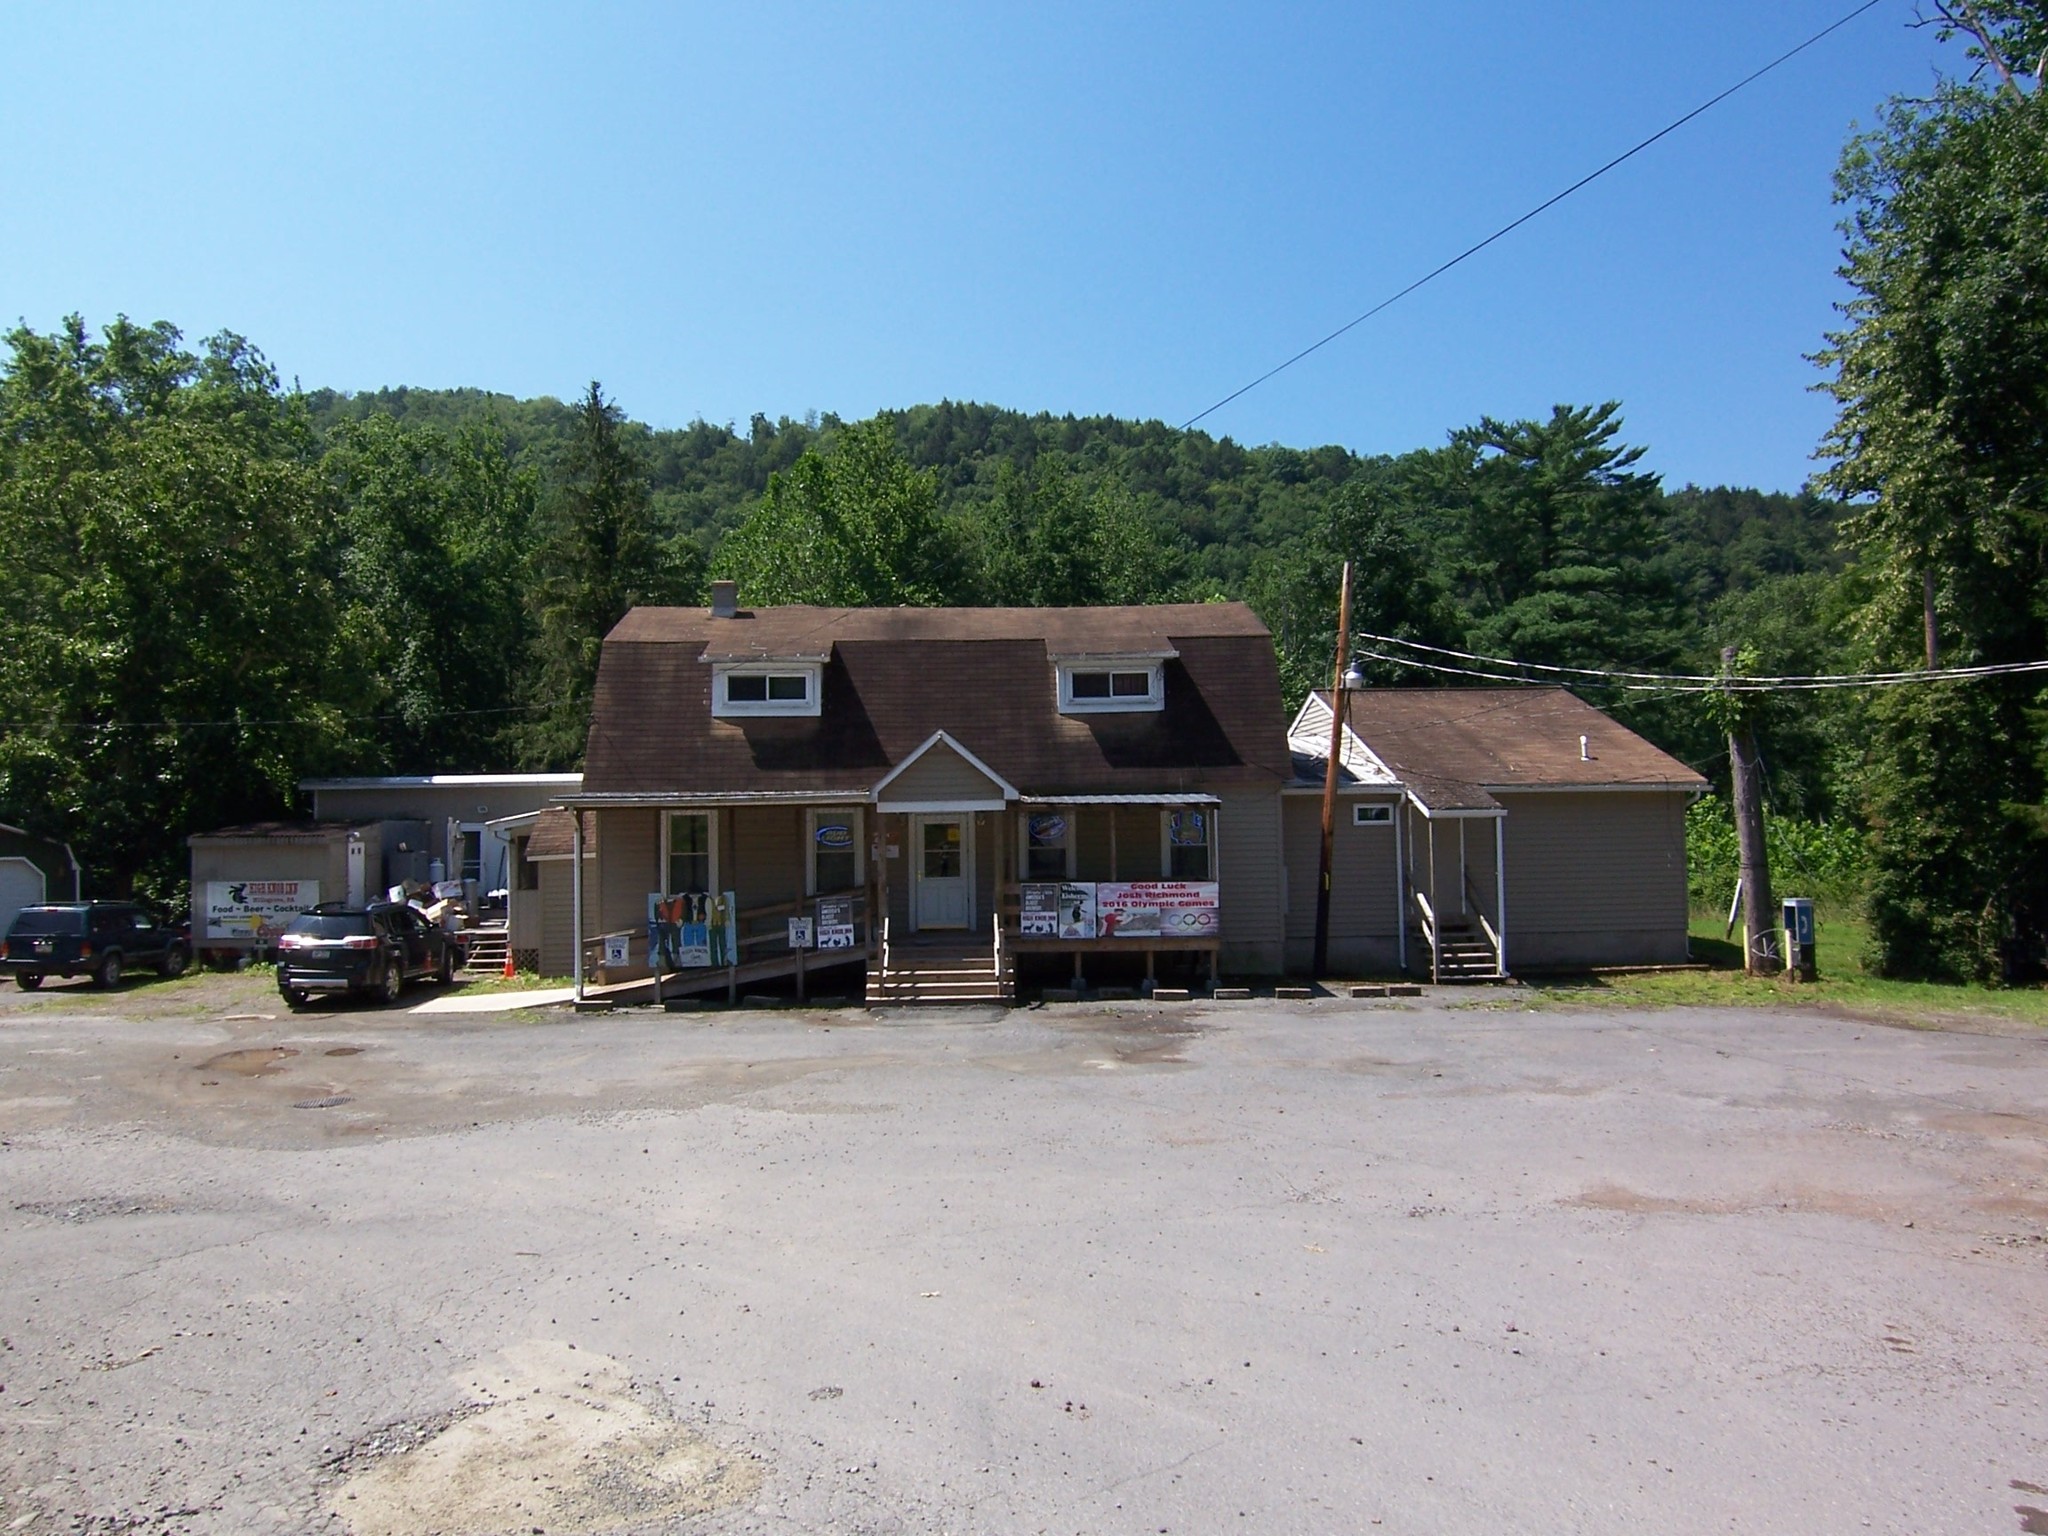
[1038, 915]
[1152, 909]
[256, 909]
[690, 931]
[835, 923]
[1077, 910]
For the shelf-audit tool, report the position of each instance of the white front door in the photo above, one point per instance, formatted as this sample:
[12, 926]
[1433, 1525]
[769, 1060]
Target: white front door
[944, 871]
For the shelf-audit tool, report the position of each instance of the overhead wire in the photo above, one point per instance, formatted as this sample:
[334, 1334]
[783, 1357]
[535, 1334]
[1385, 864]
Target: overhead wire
[1504, 669]
[1548, 203]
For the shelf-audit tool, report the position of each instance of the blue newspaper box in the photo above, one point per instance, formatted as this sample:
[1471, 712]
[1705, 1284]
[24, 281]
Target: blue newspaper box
[1799, 956]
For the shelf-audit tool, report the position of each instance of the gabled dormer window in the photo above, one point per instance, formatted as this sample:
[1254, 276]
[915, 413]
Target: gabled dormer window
[765, 689]
[1111, 686]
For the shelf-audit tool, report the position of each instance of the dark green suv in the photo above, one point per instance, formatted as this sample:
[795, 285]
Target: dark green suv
[100, 939]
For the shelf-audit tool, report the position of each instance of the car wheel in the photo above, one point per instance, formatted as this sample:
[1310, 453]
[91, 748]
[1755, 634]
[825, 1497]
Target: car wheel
[173, 964]
[447, 971]
[294, 997]
[394, 980]
[28, 981]
[108, 974]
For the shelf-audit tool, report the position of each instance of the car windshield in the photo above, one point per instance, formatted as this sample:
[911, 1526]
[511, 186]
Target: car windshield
[330, 925]
[66, 920]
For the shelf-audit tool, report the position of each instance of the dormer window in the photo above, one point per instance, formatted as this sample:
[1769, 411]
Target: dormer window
[771, 689]
[1111, 686]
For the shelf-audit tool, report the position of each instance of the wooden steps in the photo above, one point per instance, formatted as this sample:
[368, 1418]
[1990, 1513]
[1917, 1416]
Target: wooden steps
[937, 972]
[1465, 954]
[484, 949]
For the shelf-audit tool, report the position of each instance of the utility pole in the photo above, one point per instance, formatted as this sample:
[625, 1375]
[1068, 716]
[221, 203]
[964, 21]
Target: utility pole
[1321, 962]
[1759, 913]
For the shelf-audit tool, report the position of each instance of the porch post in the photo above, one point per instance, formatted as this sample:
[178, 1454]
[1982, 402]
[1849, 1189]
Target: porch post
[1500, 884]
[576, 896]
[1400, 890]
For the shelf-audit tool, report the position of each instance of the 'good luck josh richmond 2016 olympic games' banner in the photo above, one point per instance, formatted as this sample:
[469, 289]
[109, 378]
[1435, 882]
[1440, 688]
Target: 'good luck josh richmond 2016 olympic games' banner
[1123, 909]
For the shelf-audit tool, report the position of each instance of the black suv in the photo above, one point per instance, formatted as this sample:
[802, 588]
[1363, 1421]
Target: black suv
[375, 949]
[100, 939]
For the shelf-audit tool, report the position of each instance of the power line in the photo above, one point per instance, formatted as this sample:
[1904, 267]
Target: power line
[180, 725]
[1508, 670]
[1551, 202]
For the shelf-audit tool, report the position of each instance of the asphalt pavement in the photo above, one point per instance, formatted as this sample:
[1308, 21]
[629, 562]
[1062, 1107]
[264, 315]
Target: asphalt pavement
[1417, 1266]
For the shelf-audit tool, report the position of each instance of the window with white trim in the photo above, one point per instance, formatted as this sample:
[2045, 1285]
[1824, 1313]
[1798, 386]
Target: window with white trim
[788, 689]
[1189, 833]
[686, 852]
[1368, 814]
[1048, 846]
[836, 849]
[1111, 687]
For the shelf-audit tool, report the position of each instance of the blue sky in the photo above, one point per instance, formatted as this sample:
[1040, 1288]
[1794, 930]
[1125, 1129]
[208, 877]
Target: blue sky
[1069, 208]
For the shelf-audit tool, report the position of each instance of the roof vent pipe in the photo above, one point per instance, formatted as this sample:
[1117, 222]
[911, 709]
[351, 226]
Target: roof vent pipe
[1585, 754]
[725, 599]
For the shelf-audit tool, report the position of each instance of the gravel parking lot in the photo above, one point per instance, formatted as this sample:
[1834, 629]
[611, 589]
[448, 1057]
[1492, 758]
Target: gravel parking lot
[1431, 1266]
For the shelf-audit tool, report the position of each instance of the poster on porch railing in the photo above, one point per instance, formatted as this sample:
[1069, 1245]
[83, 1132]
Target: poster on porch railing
[835, 922]
[1077, 910]
[1038, 911]
[692, 930]
[1155, 909]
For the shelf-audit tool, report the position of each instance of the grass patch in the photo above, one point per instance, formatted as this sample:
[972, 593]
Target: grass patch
[1844, 984]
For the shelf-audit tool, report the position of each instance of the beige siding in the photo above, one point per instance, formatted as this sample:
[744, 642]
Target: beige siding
[1248, 836]
[325, 862]
[988, 864]
[895, 833]
[1364, 909]
[1090, 828]
[522, 908]
[1138, 829]
[941, 774]
[1596, 879]
[765, 862]
[627, 867]
[557, 916]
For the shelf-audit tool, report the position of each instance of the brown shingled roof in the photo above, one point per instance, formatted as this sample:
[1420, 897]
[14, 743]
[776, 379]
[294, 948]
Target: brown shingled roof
[896, 675]
[1506, 738]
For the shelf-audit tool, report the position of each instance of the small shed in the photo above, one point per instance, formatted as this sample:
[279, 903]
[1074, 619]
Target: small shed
[249, 881]
[32, 870]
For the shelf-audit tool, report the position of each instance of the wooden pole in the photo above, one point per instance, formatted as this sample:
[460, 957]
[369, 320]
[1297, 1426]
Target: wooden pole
[1760, 955]
[1321, 961]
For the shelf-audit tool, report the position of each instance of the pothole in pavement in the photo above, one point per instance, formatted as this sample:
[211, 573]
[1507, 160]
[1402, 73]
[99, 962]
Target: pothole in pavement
[251, 1061]
[556, 1439]
[343, 1050]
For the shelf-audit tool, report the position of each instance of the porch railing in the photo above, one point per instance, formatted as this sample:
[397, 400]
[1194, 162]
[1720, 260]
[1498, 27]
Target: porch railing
[1429, 934]
[1479, 911]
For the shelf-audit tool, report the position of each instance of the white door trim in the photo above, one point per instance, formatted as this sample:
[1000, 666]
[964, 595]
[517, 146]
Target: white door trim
[918, 822]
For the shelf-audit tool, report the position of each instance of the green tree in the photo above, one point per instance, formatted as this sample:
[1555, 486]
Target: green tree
[166, 632]
[1940, 372]
[431, 549]
[1048, 540]
[855, 527]
[1556, 542]
[1296, 588]
[602, 555]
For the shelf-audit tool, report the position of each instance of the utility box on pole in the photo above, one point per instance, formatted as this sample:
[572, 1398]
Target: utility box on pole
[1799, 955]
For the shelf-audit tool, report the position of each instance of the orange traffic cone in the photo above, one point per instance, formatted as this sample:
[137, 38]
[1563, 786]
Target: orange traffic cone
[510, 969]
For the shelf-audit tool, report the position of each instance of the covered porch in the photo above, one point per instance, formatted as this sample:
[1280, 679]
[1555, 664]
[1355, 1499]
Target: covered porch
[1455, 876]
